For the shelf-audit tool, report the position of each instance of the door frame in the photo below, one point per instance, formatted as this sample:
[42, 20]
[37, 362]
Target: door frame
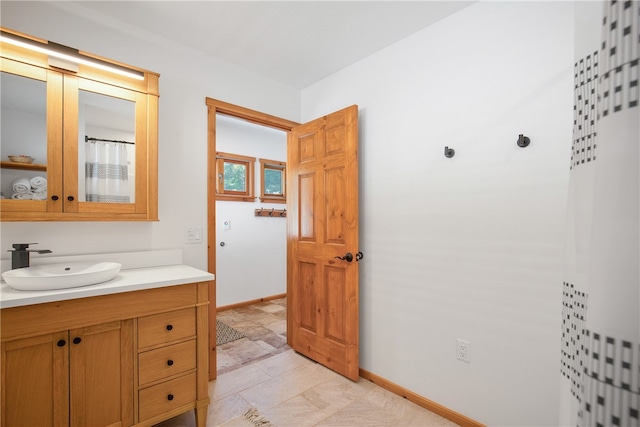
[214, 107]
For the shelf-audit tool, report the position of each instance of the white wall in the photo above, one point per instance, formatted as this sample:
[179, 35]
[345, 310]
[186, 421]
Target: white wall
[469, 247]
[186, 78]
[253, 262]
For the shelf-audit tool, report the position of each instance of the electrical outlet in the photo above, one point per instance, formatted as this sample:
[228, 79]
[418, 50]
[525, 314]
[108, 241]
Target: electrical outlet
[463, 350]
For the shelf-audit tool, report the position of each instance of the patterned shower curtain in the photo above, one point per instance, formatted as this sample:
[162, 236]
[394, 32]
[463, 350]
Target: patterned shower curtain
[600, 358]
[106, 172]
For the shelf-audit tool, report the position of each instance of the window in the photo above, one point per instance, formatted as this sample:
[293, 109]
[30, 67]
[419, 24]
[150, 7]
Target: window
[235, 177]
[273, 179]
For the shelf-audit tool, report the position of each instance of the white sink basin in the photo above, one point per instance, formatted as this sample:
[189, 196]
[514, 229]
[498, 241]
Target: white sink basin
[61, 276]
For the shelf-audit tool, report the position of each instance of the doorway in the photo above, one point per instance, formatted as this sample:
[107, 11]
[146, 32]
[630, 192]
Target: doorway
[215, 109]
[251, 249]
[322, 233]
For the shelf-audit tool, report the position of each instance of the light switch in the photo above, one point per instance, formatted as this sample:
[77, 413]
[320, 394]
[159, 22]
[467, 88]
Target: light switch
[226, 225]
[194, 235]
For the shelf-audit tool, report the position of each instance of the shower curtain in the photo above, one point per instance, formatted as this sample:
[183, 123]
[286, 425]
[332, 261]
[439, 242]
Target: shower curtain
[106, 172]
[600, 356]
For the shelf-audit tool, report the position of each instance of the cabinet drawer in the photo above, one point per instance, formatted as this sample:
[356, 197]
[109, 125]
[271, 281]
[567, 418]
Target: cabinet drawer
[167, 396]
[166, 361]
[165, 327]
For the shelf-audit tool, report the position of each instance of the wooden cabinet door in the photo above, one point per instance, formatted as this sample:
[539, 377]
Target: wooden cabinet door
[35, 381]
[89, 107]
[101, 374]
[31, 107]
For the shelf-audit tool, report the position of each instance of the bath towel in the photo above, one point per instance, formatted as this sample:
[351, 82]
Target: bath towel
[22, 196]
[38, 183]
[40, 195]
[21, 185]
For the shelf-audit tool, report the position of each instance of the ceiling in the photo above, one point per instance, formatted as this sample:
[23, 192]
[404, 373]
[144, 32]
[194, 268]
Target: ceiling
[296, 43]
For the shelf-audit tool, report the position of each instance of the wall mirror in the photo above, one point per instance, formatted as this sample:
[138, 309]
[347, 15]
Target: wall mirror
[106, 148]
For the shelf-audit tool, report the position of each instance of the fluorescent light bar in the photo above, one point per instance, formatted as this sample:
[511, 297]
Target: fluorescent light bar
[68, 54]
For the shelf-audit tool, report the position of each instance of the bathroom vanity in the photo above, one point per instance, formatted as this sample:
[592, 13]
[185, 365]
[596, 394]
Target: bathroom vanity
[132, 351]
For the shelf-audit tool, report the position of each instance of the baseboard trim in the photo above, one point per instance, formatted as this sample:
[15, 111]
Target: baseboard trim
[430, 405]
[253, 301]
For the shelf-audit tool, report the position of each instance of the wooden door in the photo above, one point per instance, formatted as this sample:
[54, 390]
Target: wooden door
[35, 381]
[322, 204]
[101, 374]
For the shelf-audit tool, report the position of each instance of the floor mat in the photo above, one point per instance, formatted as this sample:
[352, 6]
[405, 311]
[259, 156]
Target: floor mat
[225, 333]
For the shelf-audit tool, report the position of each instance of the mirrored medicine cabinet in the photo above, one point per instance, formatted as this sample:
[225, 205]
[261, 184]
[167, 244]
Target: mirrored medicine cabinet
[75, 145]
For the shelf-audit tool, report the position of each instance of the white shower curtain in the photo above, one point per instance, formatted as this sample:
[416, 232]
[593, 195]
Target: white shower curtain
[600, 356]
[106, 172]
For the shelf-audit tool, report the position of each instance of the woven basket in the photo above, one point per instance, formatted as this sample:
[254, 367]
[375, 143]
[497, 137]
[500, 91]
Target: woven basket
[21, 159]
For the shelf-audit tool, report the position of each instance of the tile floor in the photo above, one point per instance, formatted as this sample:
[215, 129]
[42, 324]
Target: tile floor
[262, 372]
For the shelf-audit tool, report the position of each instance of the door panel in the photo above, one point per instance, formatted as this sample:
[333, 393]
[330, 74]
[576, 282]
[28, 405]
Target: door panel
[335, 185]
[322, 227]
[35, 371]
[334, 296]
[306, 202]
[99, 378]
[306, 280]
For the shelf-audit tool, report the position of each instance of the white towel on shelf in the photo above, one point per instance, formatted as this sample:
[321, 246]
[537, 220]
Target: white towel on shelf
[40, 195]
[38, 183]
[22, 196]
[21, 185]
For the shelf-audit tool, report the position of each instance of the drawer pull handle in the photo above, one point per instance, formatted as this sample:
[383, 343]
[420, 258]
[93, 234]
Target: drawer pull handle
[169, 327]
[61, 343]
[169, 362]
[77, 340]
[170, 397]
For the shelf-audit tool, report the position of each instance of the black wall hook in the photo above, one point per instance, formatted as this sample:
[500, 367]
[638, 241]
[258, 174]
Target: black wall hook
[449, 152]
[523, 141]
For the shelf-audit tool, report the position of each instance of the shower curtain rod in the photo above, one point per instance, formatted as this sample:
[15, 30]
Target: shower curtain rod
[87, 139]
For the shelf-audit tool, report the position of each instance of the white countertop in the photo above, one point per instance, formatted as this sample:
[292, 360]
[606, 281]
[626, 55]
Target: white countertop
[134, 279]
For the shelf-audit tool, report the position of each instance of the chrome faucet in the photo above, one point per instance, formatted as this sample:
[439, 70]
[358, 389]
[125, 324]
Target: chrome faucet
[20, 254]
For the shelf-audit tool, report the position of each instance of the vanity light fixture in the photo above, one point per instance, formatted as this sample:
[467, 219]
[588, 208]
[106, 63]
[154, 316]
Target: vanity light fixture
[68, 54]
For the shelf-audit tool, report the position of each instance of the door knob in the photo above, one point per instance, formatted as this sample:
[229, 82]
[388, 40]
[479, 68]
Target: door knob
[347, 257]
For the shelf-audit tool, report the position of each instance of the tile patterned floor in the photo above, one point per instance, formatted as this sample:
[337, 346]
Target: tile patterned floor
[262, 372]
[265, 327]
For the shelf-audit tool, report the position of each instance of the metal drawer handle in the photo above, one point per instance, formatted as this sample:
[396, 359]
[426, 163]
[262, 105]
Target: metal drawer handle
[169, 327]
[170, 362]
[170, 397]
